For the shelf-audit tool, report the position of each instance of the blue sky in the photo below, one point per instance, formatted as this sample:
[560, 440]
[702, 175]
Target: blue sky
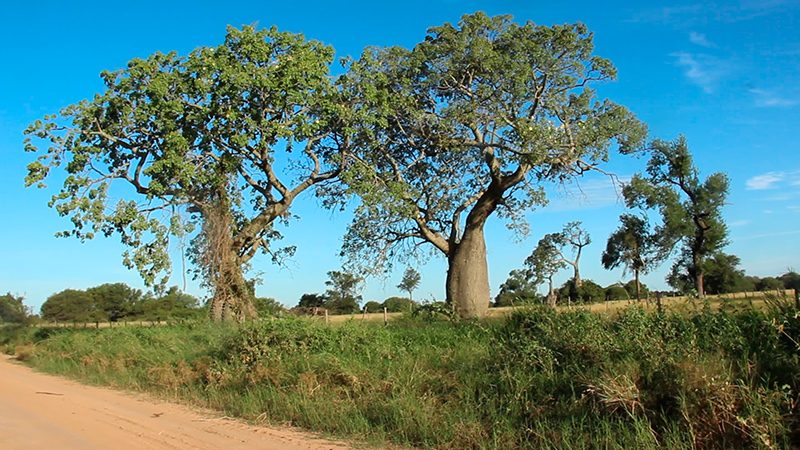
[724, 74]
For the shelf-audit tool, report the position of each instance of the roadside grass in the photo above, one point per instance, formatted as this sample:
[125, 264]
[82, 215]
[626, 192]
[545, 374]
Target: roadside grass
[703, 377]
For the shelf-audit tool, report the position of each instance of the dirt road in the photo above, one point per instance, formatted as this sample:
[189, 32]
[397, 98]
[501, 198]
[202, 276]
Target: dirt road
[39, 411]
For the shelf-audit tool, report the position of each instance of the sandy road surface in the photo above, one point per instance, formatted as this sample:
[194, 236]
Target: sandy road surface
[39, 411]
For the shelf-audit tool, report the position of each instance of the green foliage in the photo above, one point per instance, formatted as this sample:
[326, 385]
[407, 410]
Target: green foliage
[468, 122]
[767, 283]
[267, 307]
[791, 280]
[190, 139]
[12, 309]
[723, 276]
[342, 294]
[518, 289]
[399, 304]
[113, 301]
[372, 306]
[311, 301]
[690, 209]
[630, 286]
[538, 379]
[69, 305]
[410, 281]
[617, 292]
[587, 292]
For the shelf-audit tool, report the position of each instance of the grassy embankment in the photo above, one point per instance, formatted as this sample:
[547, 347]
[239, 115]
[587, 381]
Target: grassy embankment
[538, 379]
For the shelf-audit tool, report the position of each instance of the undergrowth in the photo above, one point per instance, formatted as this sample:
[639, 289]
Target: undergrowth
[539, 379]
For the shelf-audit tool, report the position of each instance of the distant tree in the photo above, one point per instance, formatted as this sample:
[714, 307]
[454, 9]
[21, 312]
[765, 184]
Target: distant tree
[575, 238]
[69, 305]
[517, 289]
[268, 307]
[616, 292]
[410, 282]
[723, 276]
[690, 209]
[632, 246]
[769, 284]
[174, 304]
[399, 304]
[312, 301]
[791, 280]
[342, 294]
[12, 309]
[543, 264]
[587, 292]
[631, 287]
[113, 301]
[469, 124]
[373, 306]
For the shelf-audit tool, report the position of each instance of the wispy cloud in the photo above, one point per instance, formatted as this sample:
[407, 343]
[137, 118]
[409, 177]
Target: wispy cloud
[769, 99]
[767, 235]
[786, 180]
[705, 12]
[700, 39]
[703, 70]
[589, 194]
[739, 223]
[767, 180]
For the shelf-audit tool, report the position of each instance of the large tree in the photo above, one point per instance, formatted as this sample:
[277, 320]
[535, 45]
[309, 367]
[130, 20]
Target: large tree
[632, 245]
[690, 208]
[471, 122]
[229, 135]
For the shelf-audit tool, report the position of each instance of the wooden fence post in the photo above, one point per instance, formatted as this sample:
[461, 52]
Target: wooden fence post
[385, 319]
[658, 302]
[326, 317]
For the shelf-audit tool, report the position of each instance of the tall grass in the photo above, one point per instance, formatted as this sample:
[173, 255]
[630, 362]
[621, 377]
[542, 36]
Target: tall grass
[538, 379]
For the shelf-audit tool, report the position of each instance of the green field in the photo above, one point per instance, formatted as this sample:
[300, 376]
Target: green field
[538, 378]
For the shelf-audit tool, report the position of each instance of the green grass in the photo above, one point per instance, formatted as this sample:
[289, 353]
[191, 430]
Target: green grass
[537, 379]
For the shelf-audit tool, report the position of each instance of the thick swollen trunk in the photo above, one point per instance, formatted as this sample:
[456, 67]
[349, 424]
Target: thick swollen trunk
[232, 300]
[697, 274]
[577, 278]
[468, 275]
[638, 286]
[551, 294]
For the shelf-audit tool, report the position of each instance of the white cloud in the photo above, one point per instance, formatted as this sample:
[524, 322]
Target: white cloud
[701, 13]
[767, 180]
[700, 39]
[768, 99]
[703, 70]
[739, 223]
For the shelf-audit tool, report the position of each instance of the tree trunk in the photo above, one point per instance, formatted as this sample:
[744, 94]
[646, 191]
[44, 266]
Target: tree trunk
[577, 279]
[232, 300]
[551, 294]
[468, 275]
[638, 286]
[700, 287]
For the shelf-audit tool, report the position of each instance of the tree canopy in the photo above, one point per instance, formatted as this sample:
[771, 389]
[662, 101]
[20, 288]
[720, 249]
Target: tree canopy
[690, 208]
[632, 245]
[198, 136]
[469, 123]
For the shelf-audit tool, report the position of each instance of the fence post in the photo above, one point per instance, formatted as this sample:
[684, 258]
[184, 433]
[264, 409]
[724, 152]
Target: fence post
[326, 317]
[796, 298]
[385, 319]
[658, 302]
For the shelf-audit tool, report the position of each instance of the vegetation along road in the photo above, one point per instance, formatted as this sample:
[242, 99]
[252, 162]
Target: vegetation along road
[43, 411]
